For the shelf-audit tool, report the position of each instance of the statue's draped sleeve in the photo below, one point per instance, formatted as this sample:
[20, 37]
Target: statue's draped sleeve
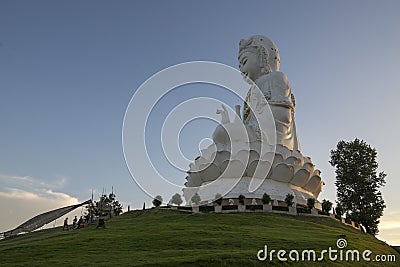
[276, 89]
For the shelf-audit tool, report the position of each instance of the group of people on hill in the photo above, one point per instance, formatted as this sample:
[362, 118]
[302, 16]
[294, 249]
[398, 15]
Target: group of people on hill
[77, 224]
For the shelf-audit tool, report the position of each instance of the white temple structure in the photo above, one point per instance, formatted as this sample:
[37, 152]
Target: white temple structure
[258, 152]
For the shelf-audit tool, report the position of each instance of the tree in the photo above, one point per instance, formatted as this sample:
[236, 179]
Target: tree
[218, 199]
[176, 199]
[241, 199]
[266, 199]
[106, 206]
[339, 210]
[289, 200]
[196, 199]
[326, 206]
[358, 183]
[157, 201]
[117, 208]
[310, 203]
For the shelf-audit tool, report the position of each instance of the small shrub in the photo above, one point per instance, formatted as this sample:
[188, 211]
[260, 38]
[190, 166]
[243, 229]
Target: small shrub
[218, 199]
[195, 199]
[176, 199]
[266, 199]
[241, 199]
[326, 206]
[157, 201]
[339, 210]
[289, 200]
[310, 203]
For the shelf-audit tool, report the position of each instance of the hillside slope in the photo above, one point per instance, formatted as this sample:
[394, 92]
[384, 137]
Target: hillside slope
[169, 238]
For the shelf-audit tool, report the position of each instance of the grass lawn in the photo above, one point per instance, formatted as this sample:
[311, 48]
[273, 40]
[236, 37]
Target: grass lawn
[170, 238]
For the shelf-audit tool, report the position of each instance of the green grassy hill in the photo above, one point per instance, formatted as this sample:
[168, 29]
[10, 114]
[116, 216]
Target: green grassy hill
[170, 238]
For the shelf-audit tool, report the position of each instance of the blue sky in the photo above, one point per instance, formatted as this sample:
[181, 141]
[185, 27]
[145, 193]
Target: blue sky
[69, 68]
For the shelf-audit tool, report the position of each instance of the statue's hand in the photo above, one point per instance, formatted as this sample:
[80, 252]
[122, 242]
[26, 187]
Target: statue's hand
[223, 110]
[224, 114]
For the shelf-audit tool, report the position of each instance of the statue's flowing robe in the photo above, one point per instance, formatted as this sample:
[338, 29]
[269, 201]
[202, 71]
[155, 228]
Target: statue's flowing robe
[275, 88]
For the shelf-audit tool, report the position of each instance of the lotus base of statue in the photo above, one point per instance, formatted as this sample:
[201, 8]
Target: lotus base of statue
[284, 172]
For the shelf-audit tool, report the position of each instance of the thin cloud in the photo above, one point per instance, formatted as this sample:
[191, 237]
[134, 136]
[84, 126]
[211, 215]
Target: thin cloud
[62, 197]
[14, 193]
[17, 178]
[24, 181]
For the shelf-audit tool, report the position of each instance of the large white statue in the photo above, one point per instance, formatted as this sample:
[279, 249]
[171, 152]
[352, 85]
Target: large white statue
[259, 62]
[236, 152]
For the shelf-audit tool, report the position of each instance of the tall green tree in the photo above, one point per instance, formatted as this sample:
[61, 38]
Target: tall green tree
[358, 183]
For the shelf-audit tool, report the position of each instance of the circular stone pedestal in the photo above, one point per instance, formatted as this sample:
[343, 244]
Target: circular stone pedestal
[276, 190]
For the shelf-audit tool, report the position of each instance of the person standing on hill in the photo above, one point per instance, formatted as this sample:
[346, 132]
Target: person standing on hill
[65, 224]
[74, 222]
[80, 223]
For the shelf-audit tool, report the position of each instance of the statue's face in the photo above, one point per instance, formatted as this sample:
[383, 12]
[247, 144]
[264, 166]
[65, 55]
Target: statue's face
[249, 65]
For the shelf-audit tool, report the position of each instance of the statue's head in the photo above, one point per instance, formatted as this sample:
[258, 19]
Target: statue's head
[258, 56]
